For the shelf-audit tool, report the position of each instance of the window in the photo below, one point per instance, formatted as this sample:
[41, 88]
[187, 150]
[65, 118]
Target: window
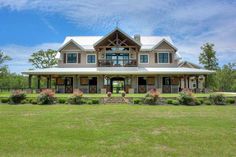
[163, 58]
[143, 58]
[90, 59]
[71, 57]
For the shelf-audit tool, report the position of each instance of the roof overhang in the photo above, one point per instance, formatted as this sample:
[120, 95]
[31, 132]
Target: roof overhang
[117, 70]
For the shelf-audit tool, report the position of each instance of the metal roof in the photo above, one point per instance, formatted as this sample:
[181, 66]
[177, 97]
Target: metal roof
[117, 70]
[87, 42]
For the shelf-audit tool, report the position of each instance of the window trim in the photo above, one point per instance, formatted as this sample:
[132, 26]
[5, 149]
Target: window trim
[67, 57]
[140, 59]
[159, 58]
[87, 58]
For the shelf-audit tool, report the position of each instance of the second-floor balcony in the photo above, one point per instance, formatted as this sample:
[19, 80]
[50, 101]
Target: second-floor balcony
[117, 63]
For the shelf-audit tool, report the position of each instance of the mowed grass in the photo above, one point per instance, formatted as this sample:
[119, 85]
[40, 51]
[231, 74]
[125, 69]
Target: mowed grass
[117, 130]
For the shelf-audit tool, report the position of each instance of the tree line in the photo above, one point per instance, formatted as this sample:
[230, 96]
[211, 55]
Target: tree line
[223, 80]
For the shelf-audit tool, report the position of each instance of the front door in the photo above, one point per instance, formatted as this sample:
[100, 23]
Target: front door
[117, 85]
[142, 85]
[93, 85]
[166, 88]
[69, 85]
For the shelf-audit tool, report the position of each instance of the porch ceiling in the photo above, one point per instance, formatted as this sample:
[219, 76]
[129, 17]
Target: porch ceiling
[117, 70]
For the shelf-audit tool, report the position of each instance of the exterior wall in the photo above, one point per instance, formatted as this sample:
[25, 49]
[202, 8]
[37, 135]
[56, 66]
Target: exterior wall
[71, 47]
[161, 48]
[83, 60]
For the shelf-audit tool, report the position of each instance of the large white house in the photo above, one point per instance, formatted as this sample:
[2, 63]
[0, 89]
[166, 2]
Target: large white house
[119, 62]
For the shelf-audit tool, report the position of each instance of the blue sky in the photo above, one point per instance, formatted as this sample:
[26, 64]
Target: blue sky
[30, 25]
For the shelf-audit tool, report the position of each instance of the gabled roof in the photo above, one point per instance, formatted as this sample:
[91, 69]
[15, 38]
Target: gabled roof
[119, 30]
[146, 42]
[164, 40]
[68, 42]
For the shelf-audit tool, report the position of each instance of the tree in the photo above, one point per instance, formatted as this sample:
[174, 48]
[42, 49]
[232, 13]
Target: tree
[226, 77]
[208, 57]
[3, 58]
[43, 59]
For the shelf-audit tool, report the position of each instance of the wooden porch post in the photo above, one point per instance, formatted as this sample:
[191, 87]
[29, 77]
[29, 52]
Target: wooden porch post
[48, 82]
[188, 81]
[76, 81]
[39, 77]
[197, 82]
[205, 81]
[180, 81]
[185, 82]
[30, 81]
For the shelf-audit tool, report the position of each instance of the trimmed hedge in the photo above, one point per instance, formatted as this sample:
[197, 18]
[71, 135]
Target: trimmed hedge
[5, 100]
[217, 99]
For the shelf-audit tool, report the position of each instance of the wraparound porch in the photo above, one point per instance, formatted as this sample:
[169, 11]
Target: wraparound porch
[119, 83]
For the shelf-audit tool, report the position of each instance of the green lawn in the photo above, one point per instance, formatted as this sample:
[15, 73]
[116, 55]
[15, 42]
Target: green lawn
[117, 130]
[7, 94]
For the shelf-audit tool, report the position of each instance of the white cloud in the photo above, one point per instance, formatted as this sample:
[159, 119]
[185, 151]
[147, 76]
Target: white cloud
[189, 23]
[20, 55]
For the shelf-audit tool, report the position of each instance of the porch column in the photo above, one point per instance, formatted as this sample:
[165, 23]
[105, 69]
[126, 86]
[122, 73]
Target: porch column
[39, 77]
[205, 81]
[188, 81]
[48, 82]
[30, 81]
[185, 82]
[180, 81]
[76, 82]
[197, 82]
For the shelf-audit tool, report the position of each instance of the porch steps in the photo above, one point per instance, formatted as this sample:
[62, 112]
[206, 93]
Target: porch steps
[116, 100]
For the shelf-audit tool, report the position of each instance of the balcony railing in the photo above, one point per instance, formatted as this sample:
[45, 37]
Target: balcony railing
[117, 63]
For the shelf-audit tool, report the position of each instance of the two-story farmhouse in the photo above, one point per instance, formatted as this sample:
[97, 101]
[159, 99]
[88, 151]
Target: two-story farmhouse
[118, 62]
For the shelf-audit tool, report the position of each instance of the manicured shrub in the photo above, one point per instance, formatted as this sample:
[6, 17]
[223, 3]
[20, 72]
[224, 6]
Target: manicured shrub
[201, 100]
[123, 94]
[197, 102]
[5, 100]
[76, 98]
[175, 102]
[25, 101]
[136, 101]
[109, 94]
[169, 101]
[207, 102]
[151, 97]
[62, 100]
[32, 100]
[47, 96]
[217, 99]
[186, 98]
[17, 96]
[230, 101]
[95, 101]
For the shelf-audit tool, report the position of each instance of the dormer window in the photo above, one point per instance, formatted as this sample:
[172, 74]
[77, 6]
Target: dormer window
[71, 57]
[164, 57]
